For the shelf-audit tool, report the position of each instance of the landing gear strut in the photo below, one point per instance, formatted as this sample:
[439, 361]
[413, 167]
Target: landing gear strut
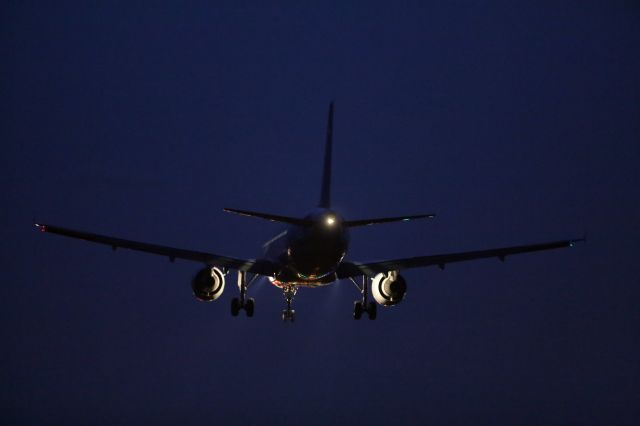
[360, 306]
[289, 291]
[243, 302]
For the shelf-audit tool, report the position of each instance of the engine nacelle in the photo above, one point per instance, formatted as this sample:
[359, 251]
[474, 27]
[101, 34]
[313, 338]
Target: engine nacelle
[208, 284]
[388, 288]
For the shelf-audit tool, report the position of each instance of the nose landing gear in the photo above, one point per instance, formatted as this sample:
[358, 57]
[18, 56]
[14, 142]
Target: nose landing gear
[363, 306]
[289, 292]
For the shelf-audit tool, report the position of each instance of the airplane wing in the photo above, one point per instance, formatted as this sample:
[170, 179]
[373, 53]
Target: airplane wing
[261, 267]
[353, 269]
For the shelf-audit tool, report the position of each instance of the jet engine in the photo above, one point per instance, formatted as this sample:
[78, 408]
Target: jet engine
[208, 284]
[388, 288]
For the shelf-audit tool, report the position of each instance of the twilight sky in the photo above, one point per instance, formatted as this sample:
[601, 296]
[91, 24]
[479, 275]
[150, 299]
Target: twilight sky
[516, 122]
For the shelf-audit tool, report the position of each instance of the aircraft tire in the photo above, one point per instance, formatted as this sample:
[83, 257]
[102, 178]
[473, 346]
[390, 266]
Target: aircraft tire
[372, 310]
[249, 306]
[235, 306]
[357, 310]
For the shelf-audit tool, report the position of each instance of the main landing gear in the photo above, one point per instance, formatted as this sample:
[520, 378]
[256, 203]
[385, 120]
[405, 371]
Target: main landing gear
[243, 302]
[289, 314]
[363, 306]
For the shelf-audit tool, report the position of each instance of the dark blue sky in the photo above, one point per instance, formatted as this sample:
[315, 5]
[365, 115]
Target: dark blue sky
[515, 122]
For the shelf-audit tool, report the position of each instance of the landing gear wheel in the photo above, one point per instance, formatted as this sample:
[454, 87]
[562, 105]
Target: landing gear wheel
[235, 306]
[363, 305]
[372, 310]
[357, 310]
[242, 302]
[288, 315]
[249, 304]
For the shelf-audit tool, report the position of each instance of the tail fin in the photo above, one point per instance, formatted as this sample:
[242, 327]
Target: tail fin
[325, 192]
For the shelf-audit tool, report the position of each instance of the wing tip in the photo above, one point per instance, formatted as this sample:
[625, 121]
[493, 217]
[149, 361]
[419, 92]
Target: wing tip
[583, 239]
[236, 211]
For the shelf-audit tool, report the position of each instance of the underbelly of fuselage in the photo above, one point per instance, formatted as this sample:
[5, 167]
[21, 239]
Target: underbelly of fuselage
[310, 264]
[284, 280]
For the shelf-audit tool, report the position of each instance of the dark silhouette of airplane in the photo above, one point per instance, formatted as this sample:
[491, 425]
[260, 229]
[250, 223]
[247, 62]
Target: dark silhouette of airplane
[310, 252]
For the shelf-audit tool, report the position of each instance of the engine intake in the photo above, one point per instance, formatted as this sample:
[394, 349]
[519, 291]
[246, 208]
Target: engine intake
[208, 284]
[388, 288]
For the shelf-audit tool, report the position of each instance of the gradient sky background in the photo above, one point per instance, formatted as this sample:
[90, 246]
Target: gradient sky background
[516, 123]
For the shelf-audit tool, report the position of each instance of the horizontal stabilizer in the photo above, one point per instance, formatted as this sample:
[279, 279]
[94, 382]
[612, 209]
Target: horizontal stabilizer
[271, 217]
[365, 222]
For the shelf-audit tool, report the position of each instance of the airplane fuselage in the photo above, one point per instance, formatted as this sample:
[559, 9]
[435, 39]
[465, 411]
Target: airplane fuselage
[309, 255]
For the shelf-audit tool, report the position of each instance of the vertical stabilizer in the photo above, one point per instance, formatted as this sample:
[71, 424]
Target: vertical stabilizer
[325, 193]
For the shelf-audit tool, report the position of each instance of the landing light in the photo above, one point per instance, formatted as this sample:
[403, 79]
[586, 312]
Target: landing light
[331, 220]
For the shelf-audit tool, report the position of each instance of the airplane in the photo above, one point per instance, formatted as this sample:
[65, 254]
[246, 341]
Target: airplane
[311, 252]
